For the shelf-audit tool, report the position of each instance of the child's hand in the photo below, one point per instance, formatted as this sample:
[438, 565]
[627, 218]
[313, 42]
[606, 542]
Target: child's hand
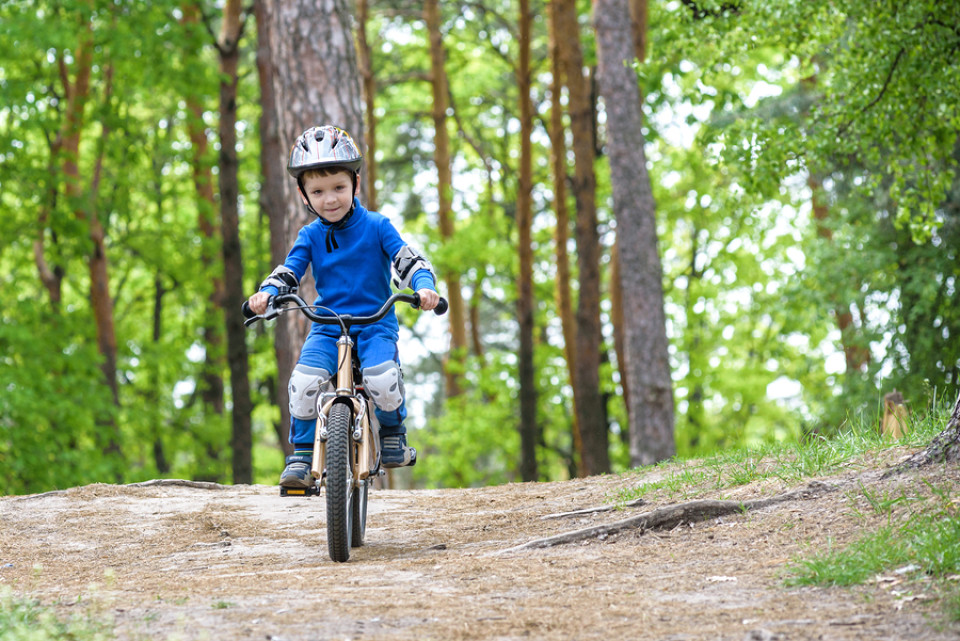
[258, 302]
[428, 299]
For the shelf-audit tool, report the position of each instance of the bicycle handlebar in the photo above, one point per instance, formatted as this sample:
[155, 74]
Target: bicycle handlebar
[275, 307]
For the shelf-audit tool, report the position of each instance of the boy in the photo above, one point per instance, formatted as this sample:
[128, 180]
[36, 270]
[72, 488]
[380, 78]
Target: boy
[352, 251]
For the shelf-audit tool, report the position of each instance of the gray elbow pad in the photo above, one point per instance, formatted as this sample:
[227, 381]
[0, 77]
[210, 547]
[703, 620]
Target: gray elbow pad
[406, 263]
[281, 277]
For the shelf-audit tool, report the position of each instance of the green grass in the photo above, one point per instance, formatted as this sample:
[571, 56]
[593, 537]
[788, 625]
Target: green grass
[26, 620]
[911, 534]
[920, 544]
[790, 463]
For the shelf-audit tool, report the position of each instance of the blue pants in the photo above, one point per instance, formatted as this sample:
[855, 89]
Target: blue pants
[376, 344]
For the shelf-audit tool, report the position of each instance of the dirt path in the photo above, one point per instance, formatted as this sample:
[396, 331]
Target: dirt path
[170, 562]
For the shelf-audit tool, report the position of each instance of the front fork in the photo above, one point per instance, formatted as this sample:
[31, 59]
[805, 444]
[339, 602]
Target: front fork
[366, 427]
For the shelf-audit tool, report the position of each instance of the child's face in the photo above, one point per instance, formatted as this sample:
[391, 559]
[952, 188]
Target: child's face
[331, 196]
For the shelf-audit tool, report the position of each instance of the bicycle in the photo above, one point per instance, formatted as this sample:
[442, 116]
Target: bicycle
[346, 449]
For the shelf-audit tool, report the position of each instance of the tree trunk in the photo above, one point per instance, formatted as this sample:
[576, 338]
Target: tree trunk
[558, 159]
[645, 337]
[638, 28]
[242, 440]
[211, 379]
[308, 76]
[365, 63]
[590, 411]
[85, 210]
[272, 203]
[529, 429]
[945, 447]
[50, 275]
[441, 156]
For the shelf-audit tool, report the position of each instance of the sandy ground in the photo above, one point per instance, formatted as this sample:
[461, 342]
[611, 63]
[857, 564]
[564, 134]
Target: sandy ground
[174, 562]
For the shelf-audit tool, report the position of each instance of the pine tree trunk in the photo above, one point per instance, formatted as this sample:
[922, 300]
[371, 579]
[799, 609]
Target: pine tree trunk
[211, 379]
[78, 93]
[441, 156]
[365, 64]
[641, 274]
[638, 27]
[242, 437]
[590, 410]
[308, 76]
[558, 160]
[529, 429]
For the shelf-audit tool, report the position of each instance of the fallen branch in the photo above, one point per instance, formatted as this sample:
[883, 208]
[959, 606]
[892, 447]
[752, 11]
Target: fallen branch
[202, 485]
[591, 510]
[668, 517]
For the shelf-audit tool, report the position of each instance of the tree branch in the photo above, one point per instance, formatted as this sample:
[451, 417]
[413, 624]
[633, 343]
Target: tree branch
[668, 517]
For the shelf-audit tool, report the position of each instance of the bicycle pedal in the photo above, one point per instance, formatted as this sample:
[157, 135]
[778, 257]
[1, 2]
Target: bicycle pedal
[313, 490]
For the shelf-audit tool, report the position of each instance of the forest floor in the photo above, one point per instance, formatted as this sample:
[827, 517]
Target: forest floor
[166, 561]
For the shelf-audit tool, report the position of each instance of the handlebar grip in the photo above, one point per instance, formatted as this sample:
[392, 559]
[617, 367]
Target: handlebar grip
[441, 307]
[246, 311]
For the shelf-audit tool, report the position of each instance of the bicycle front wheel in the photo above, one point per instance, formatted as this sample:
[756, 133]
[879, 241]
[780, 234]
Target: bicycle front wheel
[339, 483]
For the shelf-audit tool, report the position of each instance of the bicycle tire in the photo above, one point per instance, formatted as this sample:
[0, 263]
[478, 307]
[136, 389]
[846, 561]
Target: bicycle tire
[359, 514]
[339, 483]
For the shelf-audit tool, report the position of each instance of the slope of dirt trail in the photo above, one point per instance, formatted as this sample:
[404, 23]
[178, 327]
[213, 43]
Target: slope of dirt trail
[174, 562]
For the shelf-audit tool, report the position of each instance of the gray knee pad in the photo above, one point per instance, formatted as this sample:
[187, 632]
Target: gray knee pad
[384, 384]
[305, 384]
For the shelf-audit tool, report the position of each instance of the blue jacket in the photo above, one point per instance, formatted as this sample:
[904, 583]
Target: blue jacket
[353, 278]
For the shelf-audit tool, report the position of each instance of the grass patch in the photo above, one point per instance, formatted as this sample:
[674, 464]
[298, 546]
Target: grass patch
[791, 463]
[910, 535]
[921, 546]
[26, 620]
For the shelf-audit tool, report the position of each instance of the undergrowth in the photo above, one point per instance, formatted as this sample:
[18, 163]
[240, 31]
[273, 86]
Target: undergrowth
[24, 619]
[908, 539]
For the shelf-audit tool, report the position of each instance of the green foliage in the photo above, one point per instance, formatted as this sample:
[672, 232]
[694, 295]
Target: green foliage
[740, 108]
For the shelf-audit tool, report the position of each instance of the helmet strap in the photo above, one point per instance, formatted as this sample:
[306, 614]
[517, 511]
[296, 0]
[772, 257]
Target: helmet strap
[331, 241]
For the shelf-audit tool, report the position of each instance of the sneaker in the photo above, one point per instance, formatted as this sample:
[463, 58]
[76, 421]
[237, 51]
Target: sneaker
[395, 453]
[297, 471]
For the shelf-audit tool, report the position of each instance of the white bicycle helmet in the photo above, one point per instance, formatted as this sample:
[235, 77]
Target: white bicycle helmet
[324, 146]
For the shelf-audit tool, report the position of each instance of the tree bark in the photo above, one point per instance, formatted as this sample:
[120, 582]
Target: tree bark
[590, 411]
[529, 429]
[365, 64]
[558, 161]
[242, 437]
[441, 156]
[50, 276]
[211, 379]
[85, 209]
[645, 337]
[308, 75]
[638, 27]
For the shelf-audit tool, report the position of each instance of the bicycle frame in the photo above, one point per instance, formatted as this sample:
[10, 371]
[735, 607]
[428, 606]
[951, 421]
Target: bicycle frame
[366, 428]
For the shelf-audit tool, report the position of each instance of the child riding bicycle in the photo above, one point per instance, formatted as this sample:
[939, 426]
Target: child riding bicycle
[352, 251]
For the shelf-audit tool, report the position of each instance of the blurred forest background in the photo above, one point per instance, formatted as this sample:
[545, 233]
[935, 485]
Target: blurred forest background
[665, 227]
